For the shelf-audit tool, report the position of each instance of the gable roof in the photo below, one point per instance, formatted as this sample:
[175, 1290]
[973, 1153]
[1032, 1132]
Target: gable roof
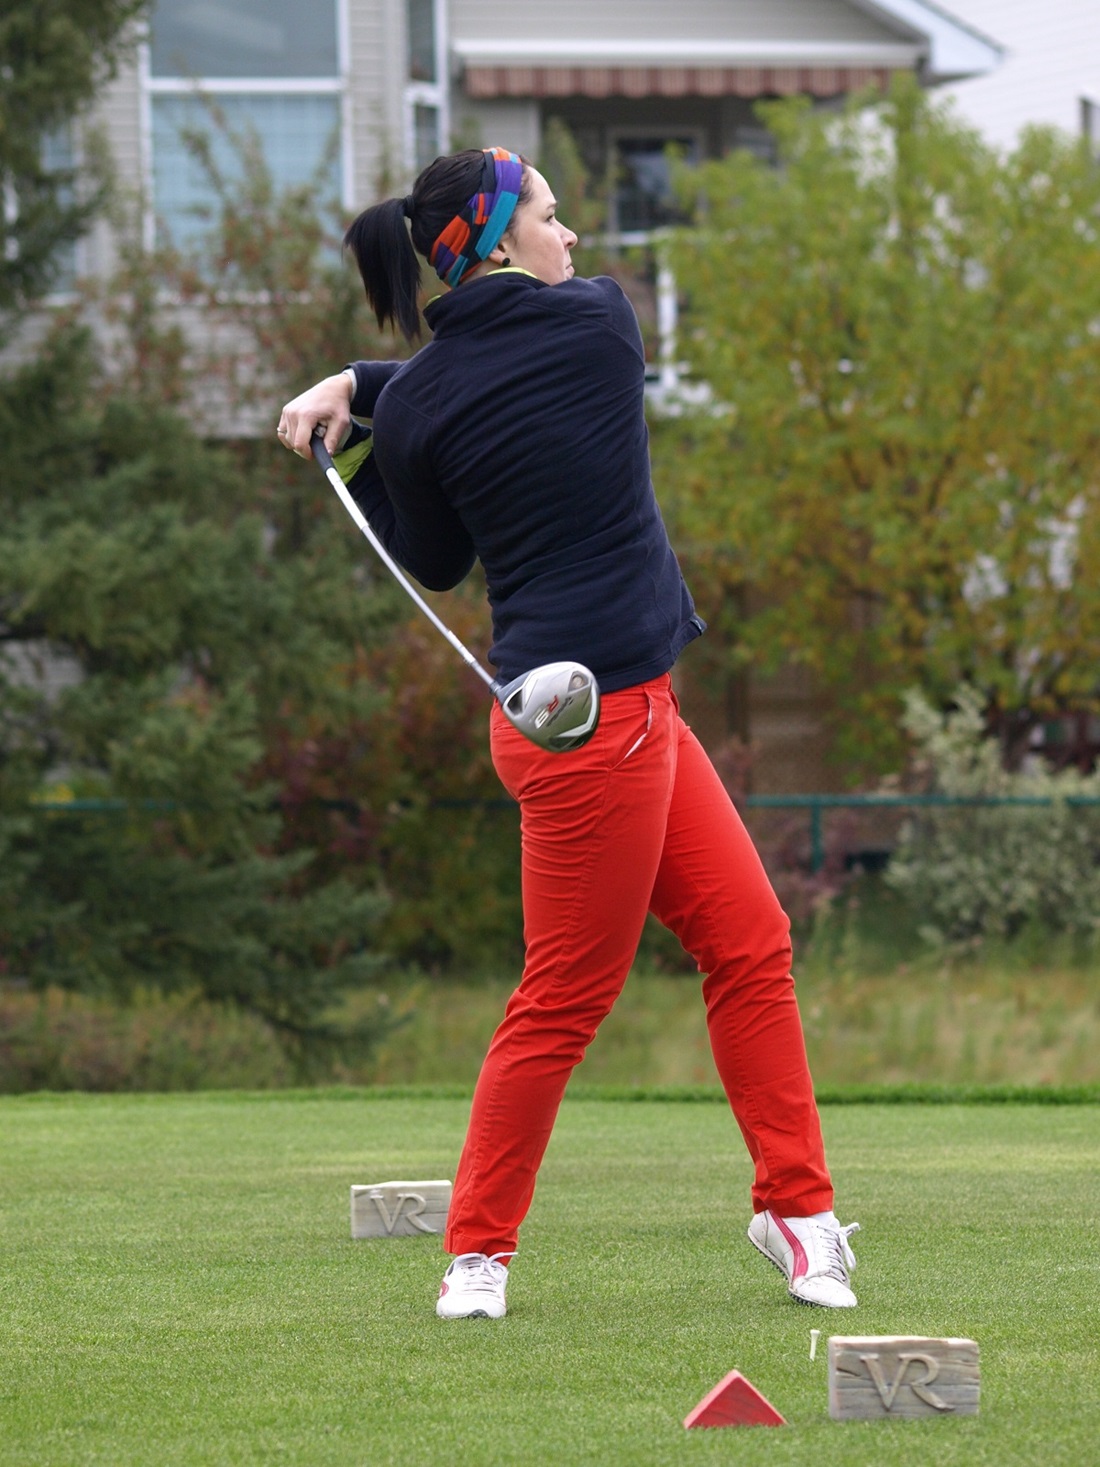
[953, 49]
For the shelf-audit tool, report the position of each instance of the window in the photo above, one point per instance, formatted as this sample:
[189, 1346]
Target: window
[243, 38]
[643, 203]
[425, 82]
[421, 38]
[1090, 125]
[426, 140]
[59, 156]
[643, 198]
[759, 141]
[269, 73]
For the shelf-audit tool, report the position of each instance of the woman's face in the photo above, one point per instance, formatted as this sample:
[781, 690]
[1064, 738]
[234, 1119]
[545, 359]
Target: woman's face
[535, 239]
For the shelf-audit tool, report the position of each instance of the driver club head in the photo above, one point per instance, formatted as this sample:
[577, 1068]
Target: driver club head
[556, 706]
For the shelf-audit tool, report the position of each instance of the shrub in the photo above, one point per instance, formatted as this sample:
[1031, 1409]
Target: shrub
[980, 871]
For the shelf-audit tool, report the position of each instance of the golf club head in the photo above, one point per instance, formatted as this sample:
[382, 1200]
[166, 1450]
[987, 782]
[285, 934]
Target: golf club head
[556, 706]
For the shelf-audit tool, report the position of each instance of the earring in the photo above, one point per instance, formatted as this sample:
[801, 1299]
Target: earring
[505, 263]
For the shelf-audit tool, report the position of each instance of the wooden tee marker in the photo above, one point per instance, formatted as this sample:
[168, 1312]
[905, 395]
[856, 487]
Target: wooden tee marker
[872, 1377]
[734, 1401]
[399, 1209]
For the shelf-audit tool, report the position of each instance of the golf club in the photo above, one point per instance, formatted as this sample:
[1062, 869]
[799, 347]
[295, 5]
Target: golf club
[556, 706]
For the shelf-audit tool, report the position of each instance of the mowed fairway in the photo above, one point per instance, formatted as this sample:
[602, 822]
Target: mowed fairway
[179, 1286]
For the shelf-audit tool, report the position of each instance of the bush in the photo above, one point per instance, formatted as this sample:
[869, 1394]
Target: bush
[58, 1040]
[980, 871]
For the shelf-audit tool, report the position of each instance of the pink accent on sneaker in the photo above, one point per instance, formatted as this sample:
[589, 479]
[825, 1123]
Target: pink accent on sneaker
[798, 1262]
[473, 1288]
[812, 1253]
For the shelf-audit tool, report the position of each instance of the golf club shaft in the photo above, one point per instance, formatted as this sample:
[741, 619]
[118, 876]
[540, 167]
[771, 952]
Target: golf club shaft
[324, 458]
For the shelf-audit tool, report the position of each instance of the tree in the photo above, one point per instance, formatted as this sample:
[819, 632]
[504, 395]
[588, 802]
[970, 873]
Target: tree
[150, 642]
[55, 55]
[895, 480]
[169, 610]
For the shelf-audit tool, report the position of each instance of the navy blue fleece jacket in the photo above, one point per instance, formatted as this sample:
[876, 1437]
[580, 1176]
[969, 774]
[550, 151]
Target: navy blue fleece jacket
[517, 435]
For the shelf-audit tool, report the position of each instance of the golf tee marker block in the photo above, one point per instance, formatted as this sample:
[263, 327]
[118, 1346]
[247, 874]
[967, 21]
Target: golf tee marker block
[399, 1209]
[876, 1376]
[734, 1401]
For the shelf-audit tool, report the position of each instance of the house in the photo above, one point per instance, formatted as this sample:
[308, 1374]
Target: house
[394, 82]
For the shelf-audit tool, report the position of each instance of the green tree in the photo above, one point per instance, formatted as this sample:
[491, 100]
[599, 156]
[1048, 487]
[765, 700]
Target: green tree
[895, 481]
[170, 610]
[54, 57]
[150, 641]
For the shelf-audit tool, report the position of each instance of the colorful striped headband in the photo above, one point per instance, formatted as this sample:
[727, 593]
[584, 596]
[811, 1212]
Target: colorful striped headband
[472, 235]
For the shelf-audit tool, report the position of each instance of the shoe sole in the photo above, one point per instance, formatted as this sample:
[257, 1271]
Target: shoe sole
[806, 1303]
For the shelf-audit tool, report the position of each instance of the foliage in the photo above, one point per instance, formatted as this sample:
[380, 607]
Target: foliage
[411, 793]
[878, 1008]
[988, 871]
[54, 56]
[57, 1040]
[164, 606]
[150, 641]
[894, 482]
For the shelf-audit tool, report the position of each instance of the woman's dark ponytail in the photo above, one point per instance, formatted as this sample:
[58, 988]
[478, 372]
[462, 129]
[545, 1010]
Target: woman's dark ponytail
[383, 251]
[386, 251]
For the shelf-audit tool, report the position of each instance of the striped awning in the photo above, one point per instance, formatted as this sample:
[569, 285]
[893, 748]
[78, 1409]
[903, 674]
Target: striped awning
[482, 81]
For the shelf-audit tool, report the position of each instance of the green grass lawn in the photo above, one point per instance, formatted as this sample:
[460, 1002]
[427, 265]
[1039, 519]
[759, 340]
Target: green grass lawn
[179, 1287]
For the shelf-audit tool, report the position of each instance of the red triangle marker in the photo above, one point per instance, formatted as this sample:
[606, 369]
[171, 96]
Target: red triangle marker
[734, 1401]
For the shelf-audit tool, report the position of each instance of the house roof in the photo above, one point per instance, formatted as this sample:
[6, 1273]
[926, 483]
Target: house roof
[953, 50]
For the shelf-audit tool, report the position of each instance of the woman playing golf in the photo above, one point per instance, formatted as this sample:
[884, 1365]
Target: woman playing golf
[517, 436]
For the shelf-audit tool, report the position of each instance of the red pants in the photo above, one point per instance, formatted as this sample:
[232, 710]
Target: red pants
[635, 821]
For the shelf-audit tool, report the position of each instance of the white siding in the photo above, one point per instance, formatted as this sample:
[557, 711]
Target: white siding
[376, 36]
[508, 122]
[118, 117]
[1053, 60]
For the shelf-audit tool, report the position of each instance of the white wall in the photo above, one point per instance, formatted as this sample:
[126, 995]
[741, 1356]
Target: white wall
[1053, 60]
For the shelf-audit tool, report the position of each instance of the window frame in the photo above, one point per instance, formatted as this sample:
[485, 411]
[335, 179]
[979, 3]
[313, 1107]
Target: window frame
[427, 94]
[336, 86]
[628, 132]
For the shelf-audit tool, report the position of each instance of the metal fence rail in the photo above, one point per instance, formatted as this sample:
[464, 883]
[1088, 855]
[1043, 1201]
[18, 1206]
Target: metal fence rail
[818, 804]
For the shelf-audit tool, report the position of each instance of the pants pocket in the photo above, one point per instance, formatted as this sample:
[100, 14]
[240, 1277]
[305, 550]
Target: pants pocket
[636, 735]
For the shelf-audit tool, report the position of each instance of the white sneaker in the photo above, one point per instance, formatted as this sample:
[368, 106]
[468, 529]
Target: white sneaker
[812, 1252]
[473, 1288]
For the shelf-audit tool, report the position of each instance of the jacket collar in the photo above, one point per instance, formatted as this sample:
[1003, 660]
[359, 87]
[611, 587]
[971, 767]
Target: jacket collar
[480, 301]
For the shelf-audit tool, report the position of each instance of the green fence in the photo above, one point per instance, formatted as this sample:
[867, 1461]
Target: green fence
[816, 805]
